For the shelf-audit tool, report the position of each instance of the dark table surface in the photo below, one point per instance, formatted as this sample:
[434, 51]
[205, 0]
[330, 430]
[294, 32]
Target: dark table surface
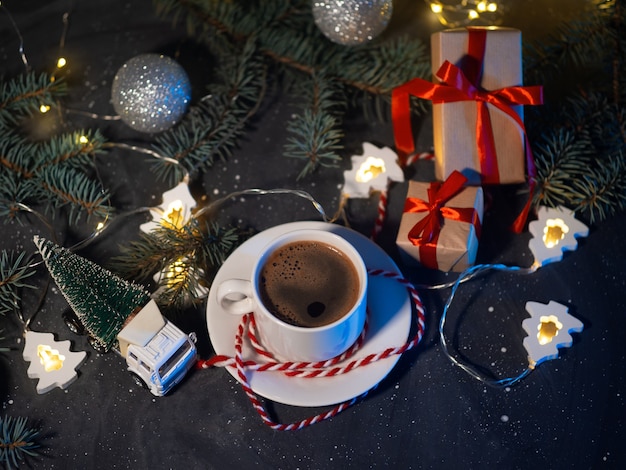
[426, 413]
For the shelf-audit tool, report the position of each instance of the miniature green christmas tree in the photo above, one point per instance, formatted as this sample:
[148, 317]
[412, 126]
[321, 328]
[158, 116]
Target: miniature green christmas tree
[101, 300]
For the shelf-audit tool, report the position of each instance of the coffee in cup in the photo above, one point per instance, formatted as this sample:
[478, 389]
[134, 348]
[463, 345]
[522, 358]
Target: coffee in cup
[307, 291]
[308, 283]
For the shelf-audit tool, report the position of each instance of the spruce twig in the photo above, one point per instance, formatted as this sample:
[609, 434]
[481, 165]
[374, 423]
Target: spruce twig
[288, 41]
[580, 140]
[211, 128]
[15, 269]
[51, 173]
[187, 256]
[17, 441]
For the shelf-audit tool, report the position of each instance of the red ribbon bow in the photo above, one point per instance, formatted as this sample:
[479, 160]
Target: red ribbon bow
[456, 86]
[425, 233]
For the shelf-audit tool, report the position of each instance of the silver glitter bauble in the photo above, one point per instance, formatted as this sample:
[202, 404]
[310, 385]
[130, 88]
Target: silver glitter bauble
[352, 22]
[151, 92]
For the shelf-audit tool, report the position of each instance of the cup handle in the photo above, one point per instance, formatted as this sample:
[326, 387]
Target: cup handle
[235, 296]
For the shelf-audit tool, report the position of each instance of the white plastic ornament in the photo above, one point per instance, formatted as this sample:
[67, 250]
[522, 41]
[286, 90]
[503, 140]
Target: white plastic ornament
[151, 93]
[174, 211]
[52, 362]
[371, 171]
[352, 22]
[548, 328]
[554, 232]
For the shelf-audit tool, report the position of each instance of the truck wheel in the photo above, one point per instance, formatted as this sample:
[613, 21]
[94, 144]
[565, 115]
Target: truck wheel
[73, 323]
[138, 381]
[96, 345]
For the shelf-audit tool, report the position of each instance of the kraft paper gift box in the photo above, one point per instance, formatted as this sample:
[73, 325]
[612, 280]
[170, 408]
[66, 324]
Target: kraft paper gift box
[457, 222]
[455, 123]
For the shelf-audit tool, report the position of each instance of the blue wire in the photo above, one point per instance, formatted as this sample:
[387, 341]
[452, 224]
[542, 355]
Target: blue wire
[466, 275]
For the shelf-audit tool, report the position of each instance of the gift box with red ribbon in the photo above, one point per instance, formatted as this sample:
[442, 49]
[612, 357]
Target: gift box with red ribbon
[440, 225]
[477, 101]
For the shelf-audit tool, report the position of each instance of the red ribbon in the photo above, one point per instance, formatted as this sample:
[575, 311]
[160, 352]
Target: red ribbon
[463, 85]
[425, 233]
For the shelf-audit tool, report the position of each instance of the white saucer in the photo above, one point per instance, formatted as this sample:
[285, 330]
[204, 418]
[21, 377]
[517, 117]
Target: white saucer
[389, 324]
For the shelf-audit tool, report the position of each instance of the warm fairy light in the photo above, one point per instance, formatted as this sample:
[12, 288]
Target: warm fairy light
[554, 231]
[50, 358]
[174, 273]
[436, 7]
[100, 226]
[548, 328]
[175, 214]
[83, 139]
[456, 13]
[175, 210]
[61, 62]
[370, 169]
[44, 108]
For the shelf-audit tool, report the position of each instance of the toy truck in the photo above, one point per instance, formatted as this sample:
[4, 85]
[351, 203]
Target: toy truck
[120, 315]
[158, 354]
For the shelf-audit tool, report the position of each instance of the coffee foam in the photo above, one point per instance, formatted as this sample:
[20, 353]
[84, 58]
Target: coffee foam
[309, 284]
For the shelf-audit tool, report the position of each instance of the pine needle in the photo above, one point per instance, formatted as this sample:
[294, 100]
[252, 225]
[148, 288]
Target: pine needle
[17, 441]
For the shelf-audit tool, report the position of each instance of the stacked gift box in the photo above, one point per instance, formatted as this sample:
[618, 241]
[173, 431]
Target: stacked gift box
[478, 132]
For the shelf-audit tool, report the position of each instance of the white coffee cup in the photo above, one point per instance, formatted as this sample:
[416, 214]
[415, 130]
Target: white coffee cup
[293, 342]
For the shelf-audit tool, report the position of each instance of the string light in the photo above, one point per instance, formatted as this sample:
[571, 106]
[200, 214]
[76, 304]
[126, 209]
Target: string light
[436, 8]
[554, 232]
[548, 328]
[44, 108]
[50, 358]
[370, 169]
[175, 273]
[455, 13]
[19, 36]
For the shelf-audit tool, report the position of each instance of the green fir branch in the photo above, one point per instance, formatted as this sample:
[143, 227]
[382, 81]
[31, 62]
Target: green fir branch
[17, 156]
[288, 39]
[26, 93]
[196, 248]
[557, 159]
[584, 44]
[70, 188]
[602, 192]
[18, 441]
[316, 133]
[15, 269]
[580, 134]
[211, 129]
[51, 173]
[76, 149]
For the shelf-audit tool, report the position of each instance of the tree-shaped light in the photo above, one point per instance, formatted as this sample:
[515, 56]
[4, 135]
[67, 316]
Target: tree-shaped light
[174, 211]
[554, 232]
[52, 362]
[371, 171]
[548, 328]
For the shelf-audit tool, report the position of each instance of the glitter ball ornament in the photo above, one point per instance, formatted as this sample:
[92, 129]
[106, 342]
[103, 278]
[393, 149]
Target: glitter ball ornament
[352, 22]
[151, 93]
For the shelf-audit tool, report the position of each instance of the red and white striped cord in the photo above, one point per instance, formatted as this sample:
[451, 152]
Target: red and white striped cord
[381, 210]
[313, 369]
